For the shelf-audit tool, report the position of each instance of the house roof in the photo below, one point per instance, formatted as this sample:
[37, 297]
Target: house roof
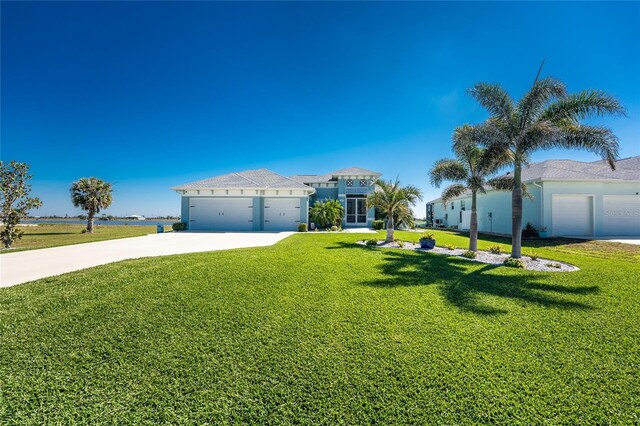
[248, 179]
[627, 169]
[311, 178]
[355, 171]
[349, 171]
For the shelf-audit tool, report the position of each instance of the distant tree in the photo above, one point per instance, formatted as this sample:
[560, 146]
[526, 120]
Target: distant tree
[91, 194]
[546, 117]
[327, 213]
[14, 198]
[391, 197]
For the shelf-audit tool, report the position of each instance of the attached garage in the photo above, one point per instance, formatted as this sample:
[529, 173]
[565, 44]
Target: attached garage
[220, 214]
[253, 200]
[572, 215]
[281, 214]
[621, 215]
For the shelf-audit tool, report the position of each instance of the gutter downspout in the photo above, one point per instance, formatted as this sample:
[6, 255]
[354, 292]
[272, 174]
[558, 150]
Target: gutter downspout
[544, 225]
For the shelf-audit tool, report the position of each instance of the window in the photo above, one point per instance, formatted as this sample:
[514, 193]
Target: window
[349, 182]
[462, 207]
[363, 182]
[452, 206]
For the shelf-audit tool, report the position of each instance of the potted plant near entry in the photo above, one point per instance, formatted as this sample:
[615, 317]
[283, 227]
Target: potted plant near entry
[427, 241]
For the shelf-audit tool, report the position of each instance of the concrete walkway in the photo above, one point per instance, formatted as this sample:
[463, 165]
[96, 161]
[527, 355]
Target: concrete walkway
[24, 266]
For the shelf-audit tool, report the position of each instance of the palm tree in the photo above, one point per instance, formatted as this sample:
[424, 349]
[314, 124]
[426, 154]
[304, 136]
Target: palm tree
[546, 117]
[469, 172]
[391, 196]
[91, 194]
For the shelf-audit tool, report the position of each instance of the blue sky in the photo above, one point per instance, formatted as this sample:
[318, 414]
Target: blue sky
[149, 95]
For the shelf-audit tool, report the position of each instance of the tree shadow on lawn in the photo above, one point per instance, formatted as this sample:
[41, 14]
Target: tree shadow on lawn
[463, 287]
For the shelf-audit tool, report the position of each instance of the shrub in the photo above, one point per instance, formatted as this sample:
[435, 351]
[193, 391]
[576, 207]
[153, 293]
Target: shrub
[450, 246]
[400, 243]
[495, 249]
[554, 265]
[530, 231]
[372, 242]
[84, 231]
[334, 228]
[533, 254]
[427, 236]
[179, 226]
[302, 227]
[513, 263]
[377, 224]
[327, 213]
[469, 254]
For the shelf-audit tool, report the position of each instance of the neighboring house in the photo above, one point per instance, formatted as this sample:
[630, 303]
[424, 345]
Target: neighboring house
[570, 198]
[262, 200]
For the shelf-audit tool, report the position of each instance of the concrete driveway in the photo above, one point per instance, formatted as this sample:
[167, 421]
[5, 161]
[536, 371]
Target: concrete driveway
[20, 267]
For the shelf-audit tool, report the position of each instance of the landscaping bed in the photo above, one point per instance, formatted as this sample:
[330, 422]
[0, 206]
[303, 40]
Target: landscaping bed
[544, 265]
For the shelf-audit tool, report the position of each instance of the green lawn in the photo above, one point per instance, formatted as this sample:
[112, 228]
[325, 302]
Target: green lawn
[53, 235]
[319, 330]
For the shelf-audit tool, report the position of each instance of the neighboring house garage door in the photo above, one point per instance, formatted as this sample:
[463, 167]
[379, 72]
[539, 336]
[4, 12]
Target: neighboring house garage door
[221, 214]
[621, 215]
[281, 214]
[571, 215]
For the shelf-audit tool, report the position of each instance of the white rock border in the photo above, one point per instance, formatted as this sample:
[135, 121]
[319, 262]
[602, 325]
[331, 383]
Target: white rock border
[543, 265]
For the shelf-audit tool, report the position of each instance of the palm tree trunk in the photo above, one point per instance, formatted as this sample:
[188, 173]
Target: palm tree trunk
[516, 212]
[473, 231]
[90, 222]
[389, 228]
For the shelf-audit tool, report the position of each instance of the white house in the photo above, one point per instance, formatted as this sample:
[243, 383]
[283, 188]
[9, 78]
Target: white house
[570, 198]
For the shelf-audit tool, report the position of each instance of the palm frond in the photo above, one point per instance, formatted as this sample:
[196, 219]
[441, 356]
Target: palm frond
[494, 158]
[533, 103]
[596, 139]
[492, 131]
[507, 183]
[452, 191]
[447, 170]
[411, 194]
[493, 98]
[582, 105]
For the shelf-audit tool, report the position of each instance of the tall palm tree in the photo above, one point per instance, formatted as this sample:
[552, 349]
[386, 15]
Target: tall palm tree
[390, 196]
[546, 117]
[91, 194]
[470, 171]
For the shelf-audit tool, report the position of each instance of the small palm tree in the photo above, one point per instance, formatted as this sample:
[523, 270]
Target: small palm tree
[391, 196]
[470, 171]
[327, 213]
[91, 194]
[546, 117]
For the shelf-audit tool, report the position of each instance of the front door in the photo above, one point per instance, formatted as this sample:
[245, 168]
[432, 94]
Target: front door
[356, 211]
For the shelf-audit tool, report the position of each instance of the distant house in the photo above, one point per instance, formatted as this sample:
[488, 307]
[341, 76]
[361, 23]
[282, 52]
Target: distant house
[262, 200]
[570, 198]
[136, 217]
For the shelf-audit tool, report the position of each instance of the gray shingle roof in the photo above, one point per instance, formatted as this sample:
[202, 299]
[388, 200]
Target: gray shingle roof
[353, 171]
[249, 179]
[626, 169]
[311, 178]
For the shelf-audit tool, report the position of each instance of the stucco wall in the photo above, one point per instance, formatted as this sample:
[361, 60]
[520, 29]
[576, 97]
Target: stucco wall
[595, 189]
[498, 203]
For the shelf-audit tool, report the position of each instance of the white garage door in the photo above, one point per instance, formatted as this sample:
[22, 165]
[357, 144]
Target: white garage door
[281, 214]
[571, 215]
[621, 215]
[221, 214]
